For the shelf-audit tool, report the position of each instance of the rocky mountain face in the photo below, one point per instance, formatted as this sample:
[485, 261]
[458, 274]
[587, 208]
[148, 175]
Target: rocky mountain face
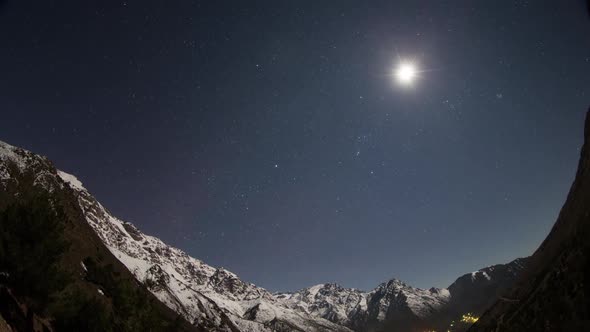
[554, 292]
[391, 302]
[476, 291]
[216, 299]
[55, 271]
[396, 306]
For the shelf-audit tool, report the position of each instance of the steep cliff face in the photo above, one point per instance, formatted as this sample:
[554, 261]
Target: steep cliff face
[554, 292]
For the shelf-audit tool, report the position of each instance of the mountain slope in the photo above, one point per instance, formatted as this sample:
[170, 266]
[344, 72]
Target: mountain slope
[211, 299]
[207, 296]
[56, 273]
[554, 292]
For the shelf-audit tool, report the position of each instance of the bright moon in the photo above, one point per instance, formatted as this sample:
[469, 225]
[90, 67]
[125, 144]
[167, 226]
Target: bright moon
[406, 73]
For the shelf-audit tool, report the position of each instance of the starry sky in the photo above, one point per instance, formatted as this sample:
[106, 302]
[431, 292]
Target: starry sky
[271, 138]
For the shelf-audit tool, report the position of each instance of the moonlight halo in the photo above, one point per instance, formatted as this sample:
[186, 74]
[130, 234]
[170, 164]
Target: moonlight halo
[406, 73]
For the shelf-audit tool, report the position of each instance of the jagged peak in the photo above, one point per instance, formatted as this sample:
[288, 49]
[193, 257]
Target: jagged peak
[6, 148]
[395, 283]
[19, 157]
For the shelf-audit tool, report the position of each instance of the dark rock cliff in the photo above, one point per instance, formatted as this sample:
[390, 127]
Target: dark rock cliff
[553, 294]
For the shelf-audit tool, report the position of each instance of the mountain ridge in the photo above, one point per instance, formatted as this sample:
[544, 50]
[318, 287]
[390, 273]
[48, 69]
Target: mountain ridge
[218, 300]
[39, 214]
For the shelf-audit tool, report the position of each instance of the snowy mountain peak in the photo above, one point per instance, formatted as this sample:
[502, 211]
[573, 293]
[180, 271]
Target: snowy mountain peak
[13, 155]
[420, 302]
[205, 295]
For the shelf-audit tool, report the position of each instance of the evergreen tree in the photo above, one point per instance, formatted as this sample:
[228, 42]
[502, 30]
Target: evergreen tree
[31, 245]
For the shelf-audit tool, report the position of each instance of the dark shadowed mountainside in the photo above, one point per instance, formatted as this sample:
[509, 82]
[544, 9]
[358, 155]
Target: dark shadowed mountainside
[554, 292]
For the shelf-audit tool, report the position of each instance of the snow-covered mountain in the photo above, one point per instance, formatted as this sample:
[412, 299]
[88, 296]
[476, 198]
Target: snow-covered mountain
[218, 300]
[207, 296]
[329, 301]
[395, 305]
[354, 308]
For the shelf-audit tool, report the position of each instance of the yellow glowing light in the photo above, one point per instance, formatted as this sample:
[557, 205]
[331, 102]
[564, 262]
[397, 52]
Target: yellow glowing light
[469, 318]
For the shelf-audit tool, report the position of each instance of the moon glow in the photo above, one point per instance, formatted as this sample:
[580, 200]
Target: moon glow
[406, 73]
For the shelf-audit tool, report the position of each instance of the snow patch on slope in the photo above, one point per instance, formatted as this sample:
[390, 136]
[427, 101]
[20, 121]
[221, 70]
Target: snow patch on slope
[484, 274]
[71, 180]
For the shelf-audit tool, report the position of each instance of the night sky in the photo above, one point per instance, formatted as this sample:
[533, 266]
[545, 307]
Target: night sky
[271, 137]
